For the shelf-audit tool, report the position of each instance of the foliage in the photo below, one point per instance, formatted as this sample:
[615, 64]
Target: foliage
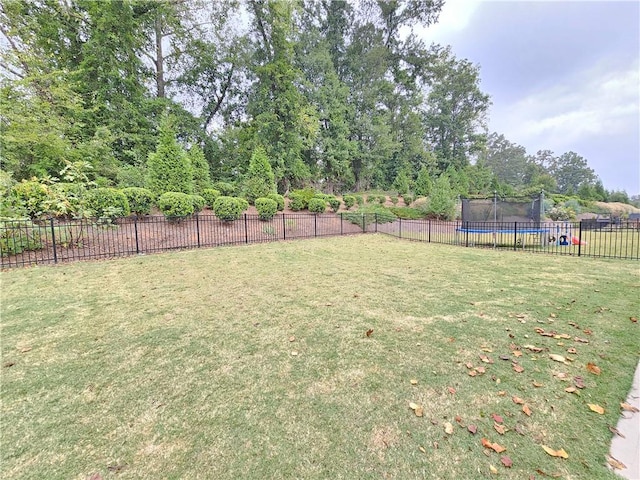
[225, 188]
[198, 202]
[349, 201]
[32, 195]
[423, 184]
[401, 182]
[408, 199]
[317, 205]
[107, 203]
[359, 199]
[199, 169]
[299, 199]
[333, 202]
[140, 200]
[176, 204]
[18, 235]
[407, 213]
[561, 213]
[210, 195]
[370, 214]
[441, 204]
[260, 180]
[267, 208]
[168, 168]
[279, 199]
[130, 176]
[229, 208]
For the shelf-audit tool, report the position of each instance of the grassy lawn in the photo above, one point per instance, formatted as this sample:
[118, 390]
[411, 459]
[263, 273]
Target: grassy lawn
[254, 362]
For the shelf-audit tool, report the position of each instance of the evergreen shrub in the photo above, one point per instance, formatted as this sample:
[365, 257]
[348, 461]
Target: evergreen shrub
[266, 207]
[140, 200]
[317, 205]
[176, 204]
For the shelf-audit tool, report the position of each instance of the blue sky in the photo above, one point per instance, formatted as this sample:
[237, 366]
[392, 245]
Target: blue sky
[563, 76]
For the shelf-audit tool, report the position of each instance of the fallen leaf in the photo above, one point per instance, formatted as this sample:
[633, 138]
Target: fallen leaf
[486, 349]
[472, 429]
[517, 368]
[480, 370]
[570, 389]
[501, 429]
[294, 353]
[459, 420]
[517, 353]
[555, 453]
[593, 368]
[628, 408]
[24, 349]
[451, 390]
[526, 410]
[616, 464]
[419, 411]
[578, 382]
[538, 384]
[557, 358]
[505, 357]
[596, 408]
[506, 461]
[616, 431]
[422, 449]
[588, 332]
[633, 319]
[485, 359]
[581, 340]
[502, 393]
[292, 338]
[486, 443]
[369, 332]
[561, 375]
[8, 364]
[493, 469]
[517, 400]
[563, 336]
[95, 476]
[498, 448]
[472, 373]
[448, 428]
[468, 365]
[413, 381]
[533, 348]
[572, 351]
[497, 418]
[413, 405]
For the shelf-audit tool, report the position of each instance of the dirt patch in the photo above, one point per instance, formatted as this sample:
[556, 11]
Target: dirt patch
[382, 438]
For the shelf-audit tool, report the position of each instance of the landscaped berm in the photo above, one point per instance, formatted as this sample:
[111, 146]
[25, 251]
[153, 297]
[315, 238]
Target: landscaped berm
[350, 357]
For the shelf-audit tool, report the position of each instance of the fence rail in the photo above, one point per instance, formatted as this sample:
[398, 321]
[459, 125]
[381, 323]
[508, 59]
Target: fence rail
[24, 243]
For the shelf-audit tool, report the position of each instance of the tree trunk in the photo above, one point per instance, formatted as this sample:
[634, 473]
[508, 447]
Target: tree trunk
[159, 59]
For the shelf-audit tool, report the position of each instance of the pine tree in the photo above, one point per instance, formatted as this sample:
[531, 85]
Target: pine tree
[260, 180]
[442, 203]
[200, 170]
[424, 184]
[168, 167]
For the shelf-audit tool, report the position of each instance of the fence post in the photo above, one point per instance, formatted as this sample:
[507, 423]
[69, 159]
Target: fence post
[400, 227]
[341, 230]
[198, 230]
[515, 236]
[135, 229]
[315, 224]
[246, 230]
[375, 219]
[53, 240]
[429, 231]
[579, 239]
[363, 225]
[284, 227]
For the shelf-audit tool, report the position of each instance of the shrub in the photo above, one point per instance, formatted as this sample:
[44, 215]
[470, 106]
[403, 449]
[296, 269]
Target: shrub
[368, 215]
[333, 202]
[229, 208]
[407, 213]
[401, 183]
[302, 197]
[297, 202]
[140, 200]
[169, 168]
[349, 201]
[317, 205]
[198, 202]
[199, 170]
[210, 195]
[561, 214]
[266, 207]
[394, 200]
[130, 176]
[32, 195]
[442, 203]
[18, 235]
[382, 199]
[176, 204]
[407, 199]
[107, 203]
[359, 199]
[279, 199]
[424, 184]
[226, 189]
[260, 178]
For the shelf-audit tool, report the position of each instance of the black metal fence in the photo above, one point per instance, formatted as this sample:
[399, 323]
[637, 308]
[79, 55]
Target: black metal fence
[25, 243]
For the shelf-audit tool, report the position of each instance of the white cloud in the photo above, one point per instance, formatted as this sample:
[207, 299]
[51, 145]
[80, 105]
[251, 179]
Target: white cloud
[454, 17]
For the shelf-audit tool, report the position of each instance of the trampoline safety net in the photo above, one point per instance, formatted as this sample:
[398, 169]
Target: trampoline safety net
[501, 210]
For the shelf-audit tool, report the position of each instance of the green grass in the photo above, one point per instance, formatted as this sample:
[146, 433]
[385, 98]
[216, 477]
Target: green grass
[181, 365]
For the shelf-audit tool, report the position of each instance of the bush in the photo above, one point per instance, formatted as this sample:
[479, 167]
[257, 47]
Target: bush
[210, 195]
[199, 170]
[304, 195]
[169, 168]
[407, 213]
[365, 216]
[359, 199]
[349, 201]
[317, 205]
[140, 200]
[333, 202]
[279, 199]
[32, 196]
[18, 235]
[176, 204]
[297, 202]
[407, 199]
[260, 178]
[198, 202]
[130, 176]
[266, 207]
[561, 214]
[229, 208]
[394, 200]
[226, 189]
[107, 203]
[382, 199]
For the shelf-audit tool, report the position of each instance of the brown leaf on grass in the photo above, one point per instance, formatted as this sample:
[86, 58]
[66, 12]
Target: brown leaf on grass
[561, 375]
[538, 384]
[485, 359]
[472, 429]
[633, 319]
[581, 340]
[588, 331]
[292, 338]
[533, 348]
[493, 446]
[615, 463]
[472, 373]
[422, 449]
[526, 410]
[557, 358]
[501, 429]
[413, 381]
[480, 370]
[570, 389]
[544, 474]
[95, 476]
[506, 461]
[493, 469]
[486, 349]
[593, 368]
[596, 408]
[451, 390]
[468, 365]
[517, 368]
[369, 332]
[8, 364]
[564, 336]
[616, 431]
[628, 408]
[294, 353]
[458, 419]
[497, 418]
[502, 393]
[555, 453]
[24, 349]
[517, 353]
[517, 400]
[419, 411]
[578, 382]
[413, 405]
[505, 357]
[448, 428]
[572, 351]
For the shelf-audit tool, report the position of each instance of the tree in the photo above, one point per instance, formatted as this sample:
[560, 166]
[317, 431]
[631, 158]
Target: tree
[423, 184]
[168, 167]
[570, 171]
[260, 180]
[508, 161]
[199, 169]
[442, 203]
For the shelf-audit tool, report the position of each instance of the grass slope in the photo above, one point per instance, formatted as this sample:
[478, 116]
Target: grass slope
[253, 362]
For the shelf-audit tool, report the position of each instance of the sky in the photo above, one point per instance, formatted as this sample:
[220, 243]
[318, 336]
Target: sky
[562, 76]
